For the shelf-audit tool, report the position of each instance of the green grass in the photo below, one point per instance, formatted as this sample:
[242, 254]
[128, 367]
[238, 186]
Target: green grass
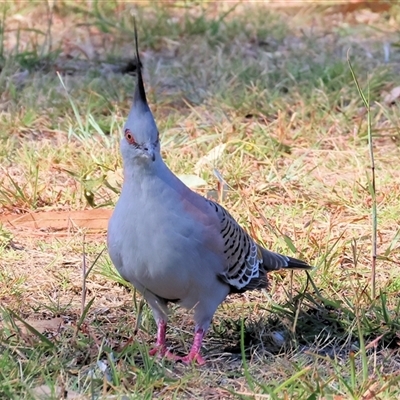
[275, 87]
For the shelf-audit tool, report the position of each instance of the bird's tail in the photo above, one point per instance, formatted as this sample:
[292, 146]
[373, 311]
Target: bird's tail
[274, 261]
[294, 263]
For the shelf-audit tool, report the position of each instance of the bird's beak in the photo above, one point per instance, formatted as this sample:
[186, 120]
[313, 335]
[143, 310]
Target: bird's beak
[151, 153]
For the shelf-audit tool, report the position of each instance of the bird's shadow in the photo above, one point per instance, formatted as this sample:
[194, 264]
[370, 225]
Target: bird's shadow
[307, 323]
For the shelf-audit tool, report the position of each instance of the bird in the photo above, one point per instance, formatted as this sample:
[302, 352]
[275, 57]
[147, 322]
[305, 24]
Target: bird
[171, 243]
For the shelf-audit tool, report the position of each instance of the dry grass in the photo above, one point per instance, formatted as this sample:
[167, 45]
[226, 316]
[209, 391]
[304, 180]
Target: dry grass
[274, 87]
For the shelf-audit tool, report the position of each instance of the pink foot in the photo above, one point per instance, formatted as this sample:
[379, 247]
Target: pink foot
[193, 358]
[156, 350]
[160, 347]
[194, 354]
[161, 350]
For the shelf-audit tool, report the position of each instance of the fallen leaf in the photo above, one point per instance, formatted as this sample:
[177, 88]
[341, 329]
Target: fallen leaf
[210, 158]
[115, 178]
[193, 181]
[94, 219]
[373, 391]
[43, 392]
[352, 6]
[392, 96]
[41, 325]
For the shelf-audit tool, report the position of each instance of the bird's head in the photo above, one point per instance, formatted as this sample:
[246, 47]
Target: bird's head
[141, 138]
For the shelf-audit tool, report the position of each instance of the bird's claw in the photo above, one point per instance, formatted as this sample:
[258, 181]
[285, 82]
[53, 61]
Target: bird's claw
[192, 358]
[163, 352]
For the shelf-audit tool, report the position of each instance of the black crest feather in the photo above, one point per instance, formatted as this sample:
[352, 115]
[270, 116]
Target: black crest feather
[140, 94]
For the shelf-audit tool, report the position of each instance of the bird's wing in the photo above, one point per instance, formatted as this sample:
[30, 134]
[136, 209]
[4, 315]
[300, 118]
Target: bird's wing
[247, 263]
[243, 256]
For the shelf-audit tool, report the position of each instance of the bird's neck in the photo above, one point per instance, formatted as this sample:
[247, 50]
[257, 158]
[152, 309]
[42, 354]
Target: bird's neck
[154, 185]
[139, 169]
[137, 173]
[148, 181]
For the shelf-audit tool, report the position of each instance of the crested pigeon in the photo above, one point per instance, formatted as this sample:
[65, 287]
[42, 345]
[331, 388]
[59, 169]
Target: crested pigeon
[174, 245]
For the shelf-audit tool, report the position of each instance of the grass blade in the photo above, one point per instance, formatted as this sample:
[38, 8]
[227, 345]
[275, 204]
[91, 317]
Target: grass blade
[372, 181]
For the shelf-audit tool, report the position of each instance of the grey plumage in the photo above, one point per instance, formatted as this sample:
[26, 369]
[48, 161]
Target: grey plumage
[173, 244]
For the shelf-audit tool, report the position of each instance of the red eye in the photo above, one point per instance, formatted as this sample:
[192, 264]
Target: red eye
[129, 137]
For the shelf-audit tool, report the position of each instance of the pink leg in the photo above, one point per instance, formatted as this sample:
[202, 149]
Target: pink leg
[194, 353]
[161, 346]
[160, 343]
